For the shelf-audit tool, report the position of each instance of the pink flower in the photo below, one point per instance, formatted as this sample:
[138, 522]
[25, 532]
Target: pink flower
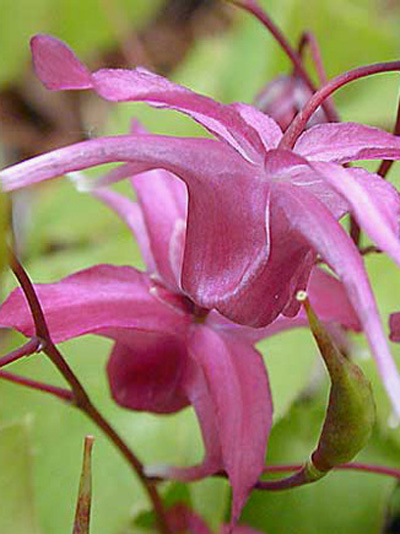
[168, 352]
[258, 213]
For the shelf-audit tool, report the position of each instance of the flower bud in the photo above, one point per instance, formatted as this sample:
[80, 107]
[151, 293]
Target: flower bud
[283, 98]
[351, 409]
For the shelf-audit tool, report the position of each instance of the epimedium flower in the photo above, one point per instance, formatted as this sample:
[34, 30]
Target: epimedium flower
[168, 352]
[261, 205]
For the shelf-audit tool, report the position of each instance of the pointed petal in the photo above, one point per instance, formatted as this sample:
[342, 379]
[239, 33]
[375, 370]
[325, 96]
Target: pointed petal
[50, 55]
[224, 121]
[146, 374]
[184, 157]
[131, 214]
[374, 202]
[93, 301]
[239, 389]
[314, 221]
[394, 323]
[163, 201]
[341, 142]
[57, 66]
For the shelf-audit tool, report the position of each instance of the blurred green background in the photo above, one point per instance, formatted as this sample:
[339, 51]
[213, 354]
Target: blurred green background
[224, 53]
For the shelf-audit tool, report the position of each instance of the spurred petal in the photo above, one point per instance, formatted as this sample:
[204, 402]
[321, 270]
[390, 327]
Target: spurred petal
[142, 85]
[374, 202]
[394, 323]
[239, 390]
[131, 214]
[341, 142]
[57, 66]
[95, 300]
[319, 227]
[163, 201]
[147, 373]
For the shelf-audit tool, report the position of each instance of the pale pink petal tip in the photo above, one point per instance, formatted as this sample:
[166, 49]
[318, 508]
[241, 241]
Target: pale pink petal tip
[57, 66]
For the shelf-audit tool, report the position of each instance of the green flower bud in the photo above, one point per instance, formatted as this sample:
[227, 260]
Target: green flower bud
[350, 416]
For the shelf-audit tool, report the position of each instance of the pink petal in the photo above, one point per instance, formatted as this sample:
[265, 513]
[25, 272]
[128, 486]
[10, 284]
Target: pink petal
[374, 202]
[95, 300]
[225, 122]
[197, 390]
[184, 157]
[163, 201]
[268, 286]
[341, 142]
[328, 297]
[394, 323]
[287, 167]
[146, 374]
[239, 390]
[226, 240]
[132, 215]
[57, 66]
[268, 130]
[319, 227]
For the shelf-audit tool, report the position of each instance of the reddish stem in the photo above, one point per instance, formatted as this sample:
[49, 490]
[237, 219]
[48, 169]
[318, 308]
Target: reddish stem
[291, 481]
[300, 121]
[80, 397]
[33, 346]
[308, 39]
[61, 393]
[251, 6]
[386, 164]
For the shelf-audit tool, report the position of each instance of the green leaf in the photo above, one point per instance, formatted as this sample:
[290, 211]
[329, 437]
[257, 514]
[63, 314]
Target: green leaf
[17, 513]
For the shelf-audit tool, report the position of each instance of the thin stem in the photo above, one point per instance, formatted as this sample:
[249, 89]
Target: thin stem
[80, 397]
[354, 466]
[34, 345]
[299, 123]
[61, 393]
[298, 479]
[308, 39]
[386, 164]
[251, 6]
